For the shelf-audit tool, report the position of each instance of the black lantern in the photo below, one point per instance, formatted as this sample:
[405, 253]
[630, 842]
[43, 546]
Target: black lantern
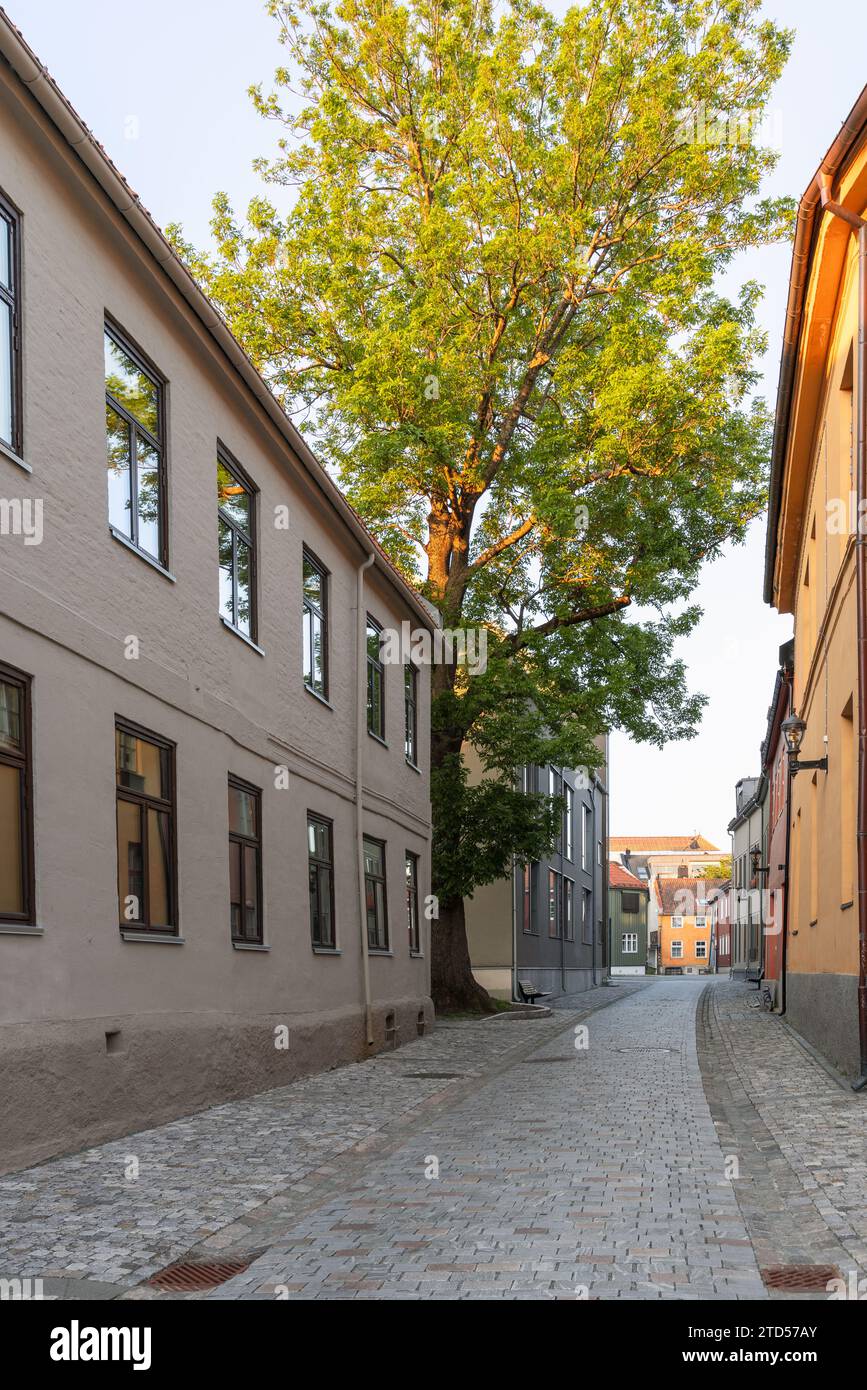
[793, 730]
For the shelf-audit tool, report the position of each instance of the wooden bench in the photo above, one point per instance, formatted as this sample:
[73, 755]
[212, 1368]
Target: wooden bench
[529, 993]
[755, 977]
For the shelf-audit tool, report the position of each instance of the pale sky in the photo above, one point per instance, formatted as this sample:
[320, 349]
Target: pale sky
[164, 88]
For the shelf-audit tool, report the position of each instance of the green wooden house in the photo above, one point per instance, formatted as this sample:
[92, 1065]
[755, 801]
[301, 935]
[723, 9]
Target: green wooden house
[628, 898]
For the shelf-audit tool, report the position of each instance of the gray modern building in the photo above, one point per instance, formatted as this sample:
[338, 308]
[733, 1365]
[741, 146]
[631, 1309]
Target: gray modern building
[214, 796]
[547, 923]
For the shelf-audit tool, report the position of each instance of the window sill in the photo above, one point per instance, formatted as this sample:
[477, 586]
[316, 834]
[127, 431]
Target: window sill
[376, 951]
[250, 946]
[158, 937]
[415, 767]
[20, 929]
[323, 699]
[142, 554]
[327, 951]
[243, 636]
[10, 454]
[377, 738]
[416, 955]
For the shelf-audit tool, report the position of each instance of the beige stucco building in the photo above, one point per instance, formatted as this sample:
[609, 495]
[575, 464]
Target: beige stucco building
[817, 506]
[214, 797]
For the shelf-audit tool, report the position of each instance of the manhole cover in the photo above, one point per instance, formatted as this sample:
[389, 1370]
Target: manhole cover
[189, 1276]
[800, 1278]
[434, 1075]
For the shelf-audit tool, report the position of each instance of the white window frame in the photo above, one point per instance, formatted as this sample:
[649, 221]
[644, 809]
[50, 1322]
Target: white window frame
[701, 923]
[677, 924]
[701, 950]
[677, 950]
[632, 949]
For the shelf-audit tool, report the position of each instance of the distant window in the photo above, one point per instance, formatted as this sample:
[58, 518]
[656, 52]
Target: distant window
[245, 862]
[677, 923]
[16, 840]
[629, 902]
[410, 701]
[375, 680]
[134, 408]
[314, 625]
[147, 890]
[10, 328]
[587, 917]
[629, 943]
[568, 910]
[700, 923]
[676, 950]
[554, 921]
[567, 821]
[320, 873]
[700, 950]
[374, 894]
[588, 837]
[412, 917]
[236, 521]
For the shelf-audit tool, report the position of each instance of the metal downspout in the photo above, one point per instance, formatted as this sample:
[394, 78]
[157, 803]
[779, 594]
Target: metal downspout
[360, 726]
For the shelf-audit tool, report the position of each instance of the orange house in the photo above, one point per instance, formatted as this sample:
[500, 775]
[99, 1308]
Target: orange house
[684, 917]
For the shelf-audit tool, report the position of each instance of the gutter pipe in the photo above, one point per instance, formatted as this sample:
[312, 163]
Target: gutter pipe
[360, 721]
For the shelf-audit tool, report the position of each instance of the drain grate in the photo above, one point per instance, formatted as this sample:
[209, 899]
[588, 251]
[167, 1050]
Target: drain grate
[800, 1278]
[188, 1276]
[433, 1075]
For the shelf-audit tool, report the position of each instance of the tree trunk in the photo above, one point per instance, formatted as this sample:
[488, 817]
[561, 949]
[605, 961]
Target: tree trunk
[453, 986]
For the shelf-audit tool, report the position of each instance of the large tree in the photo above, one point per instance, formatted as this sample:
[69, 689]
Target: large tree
[487, 284]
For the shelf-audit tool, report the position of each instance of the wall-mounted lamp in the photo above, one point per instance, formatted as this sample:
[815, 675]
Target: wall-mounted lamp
[793, 730]
[756, 861]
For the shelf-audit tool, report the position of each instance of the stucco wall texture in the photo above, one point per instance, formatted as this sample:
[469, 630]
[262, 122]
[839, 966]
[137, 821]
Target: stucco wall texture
[190, 1023]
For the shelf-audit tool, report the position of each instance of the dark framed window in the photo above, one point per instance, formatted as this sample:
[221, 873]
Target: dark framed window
[245, 861]
[320, 859]
[16, 806]
[569, 797]
[146, 852]
[236, 532]
[568, 910]
[410, 701]
[555, 923]
[134, 423]
[375, 680]
[412, 915]
[314, 625]
[375, 896]
[10, 326]
[587, 916]
[555, 789]
[527, 897]
[629, 902]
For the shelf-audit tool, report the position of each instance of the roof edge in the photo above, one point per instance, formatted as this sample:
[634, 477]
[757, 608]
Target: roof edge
[59, 110]
[806, 227]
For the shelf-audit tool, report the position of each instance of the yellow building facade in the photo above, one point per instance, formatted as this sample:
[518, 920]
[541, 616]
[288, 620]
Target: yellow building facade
[811, 574]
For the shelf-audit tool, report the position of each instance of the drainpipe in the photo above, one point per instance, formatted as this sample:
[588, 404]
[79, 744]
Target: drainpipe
[784, 945]
[517, 884]
[360, 727]
[859, 225]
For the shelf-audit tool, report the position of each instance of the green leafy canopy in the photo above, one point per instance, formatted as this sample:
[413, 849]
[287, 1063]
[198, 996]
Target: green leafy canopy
[487, 284]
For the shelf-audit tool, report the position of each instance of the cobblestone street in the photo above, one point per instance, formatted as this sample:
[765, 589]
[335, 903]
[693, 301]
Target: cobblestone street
[488, 1160]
